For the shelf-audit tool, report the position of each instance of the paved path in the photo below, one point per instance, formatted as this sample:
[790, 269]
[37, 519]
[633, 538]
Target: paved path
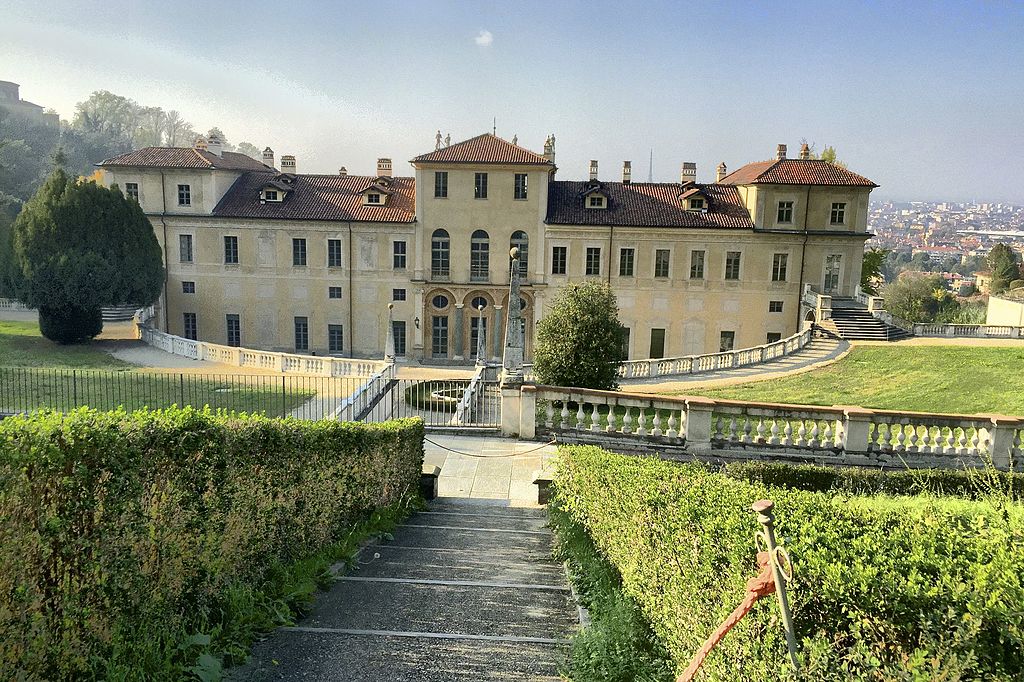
[487, 467]
[463, 592]
[818, 353]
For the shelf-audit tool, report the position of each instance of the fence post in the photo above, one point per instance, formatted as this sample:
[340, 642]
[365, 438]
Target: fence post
[74, 387]
[856, 428]
[181, 388]
[767, 520]
[698, 424]
[528, 413]
[283, 401]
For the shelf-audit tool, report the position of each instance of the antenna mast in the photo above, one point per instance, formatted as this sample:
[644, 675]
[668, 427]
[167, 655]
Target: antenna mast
[650, 167]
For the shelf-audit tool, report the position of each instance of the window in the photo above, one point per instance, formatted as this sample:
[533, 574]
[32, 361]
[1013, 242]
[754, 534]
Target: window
[476, 325]
[333, 292]
[440, 184]
[479, 302]
[779, 263]
[234, 330]
[335, 338]
[480, 186]
[726, 341]
[696, 204]
[696, 265]
[833, 268]
[625, 262]
[838, 216]
[559, 256]
[732, 265]
[185, 248]
[596, 202]
[479, 257]
[520, 191]
[657, 343]
[661, 262]
[440, 254]
[131, 190]
[593, 260]
[398, 331]
[398, 294]
[299, 252]
[301, 333]
[188, 287]
[231, 250]
[373, 198]
[270, 195]
[190, 329]
[398, 255]
[184, 195]
[774, 336]
[785, 214]
[439, 336]
[624, 344]
[334, 253]
[440, 301]
[520, 240]
[775, 306]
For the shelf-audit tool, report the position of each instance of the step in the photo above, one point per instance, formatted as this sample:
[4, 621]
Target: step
[505, 543]
[472, 518]
[441, 564]
[446, 609]
[497, 507]
[325, 656]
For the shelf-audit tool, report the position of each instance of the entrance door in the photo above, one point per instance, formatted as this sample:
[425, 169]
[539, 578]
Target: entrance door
[833, 269]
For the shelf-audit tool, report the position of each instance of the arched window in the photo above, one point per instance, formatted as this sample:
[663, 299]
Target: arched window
[440, 254]
[521, 241]
[479, 257]
[479, 302]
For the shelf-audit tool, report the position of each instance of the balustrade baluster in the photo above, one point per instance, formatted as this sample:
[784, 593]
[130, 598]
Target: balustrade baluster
[814, 441]
[975, 442]
[671, 432]
[627, 421]
[563, 422]
[950, 448]
[774, 440]
[827, 439]
[801, 434]
[962, 442]
[610, 426]
[549, 415]
[595, 419]
[579, 416]
[912, 443]
[641, 425]
[731, 435]
[787, 433]
[656, 423]
[760, 431]
[747, 429]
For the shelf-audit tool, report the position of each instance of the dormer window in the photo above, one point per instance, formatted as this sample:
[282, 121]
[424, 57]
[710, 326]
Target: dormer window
[697, 204]
[271, 195]
[373, 198]
[595, 202]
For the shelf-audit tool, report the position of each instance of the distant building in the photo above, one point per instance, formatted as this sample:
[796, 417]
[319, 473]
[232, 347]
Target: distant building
[983, 281]
[11, 101]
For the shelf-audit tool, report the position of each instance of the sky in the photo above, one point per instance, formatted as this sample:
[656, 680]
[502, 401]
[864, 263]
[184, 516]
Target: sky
[926, 99]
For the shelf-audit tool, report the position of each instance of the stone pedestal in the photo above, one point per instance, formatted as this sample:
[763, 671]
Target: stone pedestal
[511, 402]
[698, 425]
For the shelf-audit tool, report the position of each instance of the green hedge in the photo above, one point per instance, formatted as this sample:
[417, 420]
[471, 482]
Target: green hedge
[886, 588]
[967, 483]
[124, 535]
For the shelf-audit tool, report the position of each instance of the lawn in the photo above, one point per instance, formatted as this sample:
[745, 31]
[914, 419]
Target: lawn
[21, 345]
[958, 379]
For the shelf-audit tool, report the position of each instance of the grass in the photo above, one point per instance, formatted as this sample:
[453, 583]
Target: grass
[21, 345]
[952, 379]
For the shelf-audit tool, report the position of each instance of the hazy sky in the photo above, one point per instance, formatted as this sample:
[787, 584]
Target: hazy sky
[926, 99]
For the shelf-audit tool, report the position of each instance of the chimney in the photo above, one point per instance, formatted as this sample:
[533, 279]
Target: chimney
[549, 148]
[343, 171]
[383, 168]
[688, 173]
[214, 145]
[268, 157]
[722, 172]
[288, 164]
[780, 152]
[805, 151]
[627, 172]
[593, 169]
[200, 142]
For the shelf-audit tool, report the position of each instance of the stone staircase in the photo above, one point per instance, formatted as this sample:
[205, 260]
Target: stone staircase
[463, 592]
[853, 323]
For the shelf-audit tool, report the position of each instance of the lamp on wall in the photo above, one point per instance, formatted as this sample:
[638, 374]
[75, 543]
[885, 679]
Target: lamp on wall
[416, 321]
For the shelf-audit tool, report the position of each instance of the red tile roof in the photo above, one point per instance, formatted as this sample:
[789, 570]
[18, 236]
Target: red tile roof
[796, 172]
[484, 148]
[184, 157]
[646, 205]
[319, 197]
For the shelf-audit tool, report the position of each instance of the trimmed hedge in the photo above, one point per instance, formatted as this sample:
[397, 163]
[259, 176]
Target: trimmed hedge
[967, 483]
[122, 533]
[916, 588]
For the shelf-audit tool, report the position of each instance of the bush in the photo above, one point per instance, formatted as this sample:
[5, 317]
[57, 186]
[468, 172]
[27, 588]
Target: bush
[1016, 284]
[128, 539]
[885, 588]
[70, 325]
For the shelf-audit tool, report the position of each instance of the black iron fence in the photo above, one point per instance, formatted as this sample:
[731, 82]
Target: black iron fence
[25, 389]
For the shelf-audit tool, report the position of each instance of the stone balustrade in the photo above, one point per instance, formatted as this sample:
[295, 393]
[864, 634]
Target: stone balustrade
[362, 400]
[286, 363]
[11, 304]
[689, 427]
[941, 330]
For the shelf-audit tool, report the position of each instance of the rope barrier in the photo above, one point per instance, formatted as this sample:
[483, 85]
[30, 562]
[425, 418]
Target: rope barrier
[472, 454]
[762, 585]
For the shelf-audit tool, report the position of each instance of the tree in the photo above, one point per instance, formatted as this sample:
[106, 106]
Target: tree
[79, 246]
[177, 131]
[579, 343]
[1005, 267]
[249, 149]
[871, 270]
[919, 297]
[225, 145]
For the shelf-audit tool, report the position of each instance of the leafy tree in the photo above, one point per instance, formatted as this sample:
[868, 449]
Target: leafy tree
[228, 147]
[919, 297]
[1005, 267]
[579, 343]
[249, 149]
[79, 246]
[177, 131]
[871, 270]
[828, 153]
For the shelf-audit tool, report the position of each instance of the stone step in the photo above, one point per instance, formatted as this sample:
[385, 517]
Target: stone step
[445, 609]
[503, 544]
[472, 518]
[325, 656]
[398, 562]
[496, 507]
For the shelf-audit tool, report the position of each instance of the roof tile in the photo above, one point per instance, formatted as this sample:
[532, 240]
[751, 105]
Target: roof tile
[184, 157]
[796, 172]
[486, 148]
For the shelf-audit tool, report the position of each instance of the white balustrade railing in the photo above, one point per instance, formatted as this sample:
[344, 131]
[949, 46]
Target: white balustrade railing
[287, 363]
[468, 403]
[939, 330]
[11, 304]
[738, 429]
[363, 398]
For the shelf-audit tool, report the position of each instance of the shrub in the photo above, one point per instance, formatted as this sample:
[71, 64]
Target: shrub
[885, 588]
[125, 535]
[1016, 284]
[69, 324]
